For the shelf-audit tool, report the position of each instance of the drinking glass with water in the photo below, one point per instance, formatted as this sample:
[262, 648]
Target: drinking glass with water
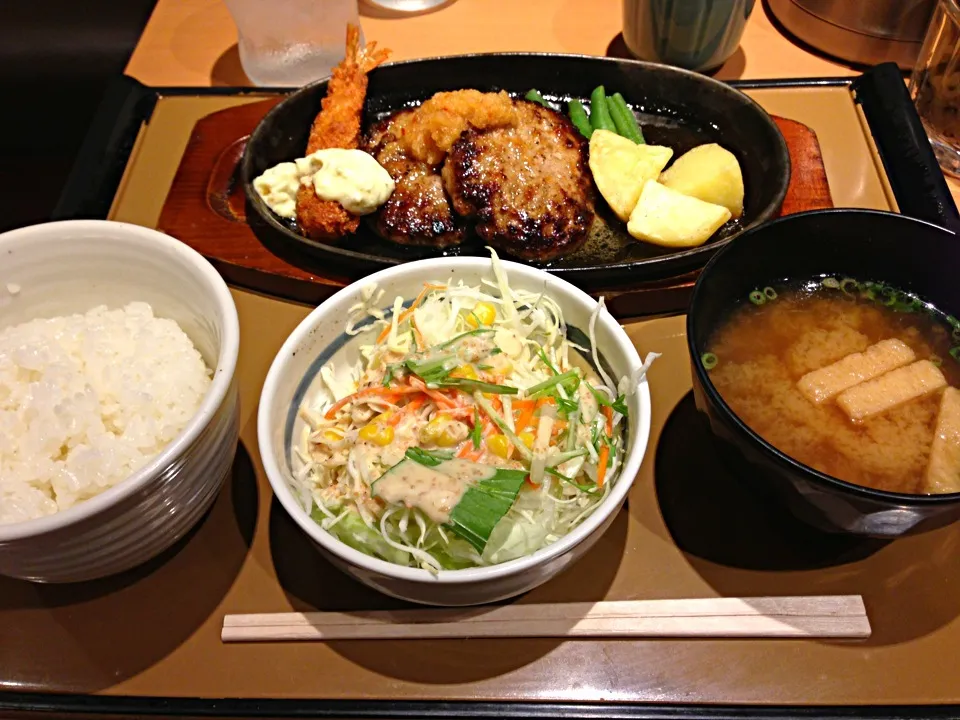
[935, 85]
[291, 42]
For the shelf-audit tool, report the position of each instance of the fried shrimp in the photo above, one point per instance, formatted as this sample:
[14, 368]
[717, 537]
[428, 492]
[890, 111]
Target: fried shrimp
[337, 125]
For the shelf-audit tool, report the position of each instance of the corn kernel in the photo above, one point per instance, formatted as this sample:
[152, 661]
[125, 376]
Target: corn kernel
[447, 438]
[483, 314]
[499, 446]
[527, 438]
[430, 433]
[377, 433]
[468, 372]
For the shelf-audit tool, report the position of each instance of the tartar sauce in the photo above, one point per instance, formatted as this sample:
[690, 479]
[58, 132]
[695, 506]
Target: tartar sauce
[350, 177]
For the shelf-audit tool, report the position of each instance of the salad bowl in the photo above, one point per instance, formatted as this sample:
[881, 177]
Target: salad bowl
[322, 340]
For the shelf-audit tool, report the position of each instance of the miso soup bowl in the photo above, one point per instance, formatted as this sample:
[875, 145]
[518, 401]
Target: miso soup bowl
[910, 254]
[321, 339]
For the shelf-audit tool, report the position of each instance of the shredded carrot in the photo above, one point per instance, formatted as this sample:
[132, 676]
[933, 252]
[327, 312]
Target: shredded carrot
[467, 452]
[525, 417]
[427, 287]
[417, 335]
[438, 397]
[388, 392]
[460, 411]
[489, 428]
[410, 407]
[608, 414]
[531, 483]
[602, 465]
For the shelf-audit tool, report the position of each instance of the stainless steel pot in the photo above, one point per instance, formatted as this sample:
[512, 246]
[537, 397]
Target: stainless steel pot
[859, 31]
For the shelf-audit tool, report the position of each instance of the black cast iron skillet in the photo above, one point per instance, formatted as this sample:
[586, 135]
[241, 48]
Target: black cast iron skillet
[906, 252]
[676, 108]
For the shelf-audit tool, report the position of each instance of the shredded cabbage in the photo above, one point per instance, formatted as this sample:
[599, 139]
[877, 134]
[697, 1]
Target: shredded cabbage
[483, 373]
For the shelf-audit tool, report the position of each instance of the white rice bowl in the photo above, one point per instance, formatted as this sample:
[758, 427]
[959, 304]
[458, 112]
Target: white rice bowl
[86, 400]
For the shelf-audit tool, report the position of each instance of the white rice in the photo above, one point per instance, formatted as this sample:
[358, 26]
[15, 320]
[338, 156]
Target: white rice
[86, 400]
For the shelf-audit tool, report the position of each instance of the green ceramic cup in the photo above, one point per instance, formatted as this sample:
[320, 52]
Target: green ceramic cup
[693, 34]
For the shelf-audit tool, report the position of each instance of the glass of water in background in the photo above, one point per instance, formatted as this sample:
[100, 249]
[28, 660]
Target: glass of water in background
[291, 42]
[935, 85]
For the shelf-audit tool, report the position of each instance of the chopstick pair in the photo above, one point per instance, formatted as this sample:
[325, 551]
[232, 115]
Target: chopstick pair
[829, 616]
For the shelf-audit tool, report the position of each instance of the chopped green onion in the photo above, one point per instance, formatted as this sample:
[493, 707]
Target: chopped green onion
[546, 360]
[566, 405]
[936, 360]
[553, 382]
[475, 433]
[478, 331]
[848, 286]
[955, 334]
[953, 322]
[388, 375]
[561, 458]
[708, 360]
[831, 283]
[589, 489]
[955, 353]
[430, 368]
[757, 297]
[504, 428]
[619, 403]
[495, 351]
[770, 293]
[472, 385]
[430, 458]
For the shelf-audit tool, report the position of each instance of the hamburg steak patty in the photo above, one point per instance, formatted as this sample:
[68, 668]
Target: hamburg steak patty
[418, 212]
[527, 186]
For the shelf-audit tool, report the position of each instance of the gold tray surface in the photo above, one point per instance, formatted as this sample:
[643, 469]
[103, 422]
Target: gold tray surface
[688, 530]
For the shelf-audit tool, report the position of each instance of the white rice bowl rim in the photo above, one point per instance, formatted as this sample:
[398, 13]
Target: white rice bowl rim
[566, 294]
[151, 242]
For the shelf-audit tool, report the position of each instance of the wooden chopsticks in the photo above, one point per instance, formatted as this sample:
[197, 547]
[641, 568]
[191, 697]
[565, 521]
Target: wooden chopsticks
[830, 616]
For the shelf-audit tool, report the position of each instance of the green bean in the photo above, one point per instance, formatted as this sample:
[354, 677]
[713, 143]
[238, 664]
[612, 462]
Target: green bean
[620, 122]
[535, 96]
[578, 116]
[599, 114]
[623, 110]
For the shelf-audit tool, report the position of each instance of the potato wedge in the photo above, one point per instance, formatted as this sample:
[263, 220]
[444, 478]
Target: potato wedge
[620, 167]
[671, 219]
[709, 173]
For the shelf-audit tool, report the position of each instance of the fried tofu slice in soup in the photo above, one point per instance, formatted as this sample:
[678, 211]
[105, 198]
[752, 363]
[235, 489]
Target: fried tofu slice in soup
[891, 390]
[943, 468]
[826, 383]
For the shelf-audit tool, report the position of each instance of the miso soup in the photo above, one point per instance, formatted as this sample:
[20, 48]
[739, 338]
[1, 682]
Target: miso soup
[851, 378]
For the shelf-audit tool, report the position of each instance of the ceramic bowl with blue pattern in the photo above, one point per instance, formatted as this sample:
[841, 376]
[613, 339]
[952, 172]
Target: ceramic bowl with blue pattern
[321, 339]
